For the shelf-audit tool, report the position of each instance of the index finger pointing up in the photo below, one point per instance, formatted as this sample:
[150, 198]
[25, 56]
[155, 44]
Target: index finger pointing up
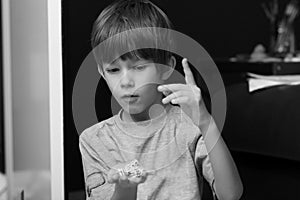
[188, 75]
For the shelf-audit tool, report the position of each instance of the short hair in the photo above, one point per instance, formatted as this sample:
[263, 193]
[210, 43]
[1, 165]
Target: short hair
[123, 16]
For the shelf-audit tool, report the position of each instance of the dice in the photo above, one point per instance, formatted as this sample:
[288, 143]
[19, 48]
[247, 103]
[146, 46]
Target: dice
[133, 169]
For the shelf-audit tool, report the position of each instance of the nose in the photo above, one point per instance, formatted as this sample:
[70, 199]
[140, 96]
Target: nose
[127, 80]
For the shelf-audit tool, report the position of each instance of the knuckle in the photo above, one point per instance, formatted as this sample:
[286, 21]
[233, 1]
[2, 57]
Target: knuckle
[197, 90]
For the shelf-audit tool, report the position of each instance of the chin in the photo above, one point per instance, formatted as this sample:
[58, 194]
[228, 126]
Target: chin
[133, 110]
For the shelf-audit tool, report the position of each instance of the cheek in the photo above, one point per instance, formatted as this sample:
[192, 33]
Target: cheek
[150, 77]
[112, 85]
[148, 85]
[150, 92]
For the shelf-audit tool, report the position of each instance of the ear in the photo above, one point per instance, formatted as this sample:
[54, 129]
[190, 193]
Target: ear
[169, 70]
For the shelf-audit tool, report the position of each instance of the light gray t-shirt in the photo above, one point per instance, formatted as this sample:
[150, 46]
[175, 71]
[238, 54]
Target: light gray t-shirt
[169, 147]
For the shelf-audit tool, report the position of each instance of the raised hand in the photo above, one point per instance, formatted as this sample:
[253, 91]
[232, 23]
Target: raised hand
[188, 95]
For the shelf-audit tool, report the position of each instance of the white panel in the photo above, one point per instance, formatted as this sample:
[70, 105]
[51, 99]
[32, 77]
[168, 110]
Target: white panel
[8, 127]
[56, 99]
[30, 99]
[30, 85]
[33, 98]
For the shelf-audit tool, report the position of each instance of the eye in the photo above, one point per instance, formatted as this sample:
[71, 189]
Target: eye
[112, 70]
[140, 67]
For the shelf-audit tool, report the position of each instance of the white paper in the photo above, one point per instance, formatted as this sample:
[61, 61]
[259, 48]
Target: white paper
[256, 81]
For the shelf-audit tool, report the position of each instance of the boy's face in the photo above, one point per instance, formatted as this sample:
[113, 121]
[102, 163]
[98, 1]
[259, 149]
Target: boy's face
[134, 83]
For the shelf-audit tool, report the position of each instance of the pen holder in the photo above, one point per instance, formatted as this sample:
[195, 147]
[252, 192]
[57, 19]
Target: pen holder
[285, 40]
[282, 36]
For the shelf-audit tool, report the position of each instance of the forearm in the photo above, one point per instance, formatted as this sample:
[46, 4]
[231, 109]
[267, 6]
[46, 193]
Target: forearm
[122, 193]
[228, 184]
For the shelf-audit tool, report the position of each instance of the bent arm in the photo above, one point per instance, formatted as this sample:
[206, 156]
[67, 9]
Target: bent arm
[227, 184]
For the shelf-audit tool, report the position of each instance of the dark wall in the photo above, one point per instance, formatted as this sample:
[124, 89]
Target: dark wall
[223, 28]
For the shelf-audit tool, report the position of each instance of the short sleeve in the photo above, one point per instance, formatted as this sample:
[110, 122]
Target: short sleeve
[95, 173]
[203, 163]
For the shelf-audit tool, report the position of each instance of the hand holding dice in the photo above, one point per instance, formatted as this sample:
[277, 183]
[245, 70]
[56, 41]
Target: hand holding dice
[133, 169]
[127, 175]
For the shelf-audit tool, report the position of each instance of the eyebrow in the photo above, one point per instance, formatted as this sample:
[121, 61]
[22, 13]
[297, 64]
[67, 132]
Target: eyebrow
[114, 62]
[138, 61]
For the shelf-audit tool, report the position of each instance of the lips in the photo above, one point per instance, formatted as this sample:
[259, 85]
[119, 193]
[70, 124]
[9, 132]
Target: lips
[130, 98]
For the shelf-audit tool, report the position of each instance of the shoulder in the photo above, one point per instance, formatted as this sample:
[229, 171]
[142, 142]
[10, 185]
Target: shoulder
[184, 123]
[93, 132]
[95, 142]
[180, 117]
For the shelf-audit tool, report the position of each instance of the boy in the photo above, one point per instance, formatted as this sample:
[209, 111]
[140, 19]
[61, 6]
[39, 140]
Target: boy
[151, 149]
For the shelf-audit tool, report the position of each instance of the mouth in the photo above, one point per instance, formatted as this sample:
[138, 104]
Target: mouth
[130, 98]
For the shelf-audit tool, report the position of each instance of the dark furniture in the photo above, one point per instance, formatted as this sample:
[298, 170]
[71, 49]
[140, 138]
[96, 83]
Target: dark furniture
[266, 121]
[262, 130]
